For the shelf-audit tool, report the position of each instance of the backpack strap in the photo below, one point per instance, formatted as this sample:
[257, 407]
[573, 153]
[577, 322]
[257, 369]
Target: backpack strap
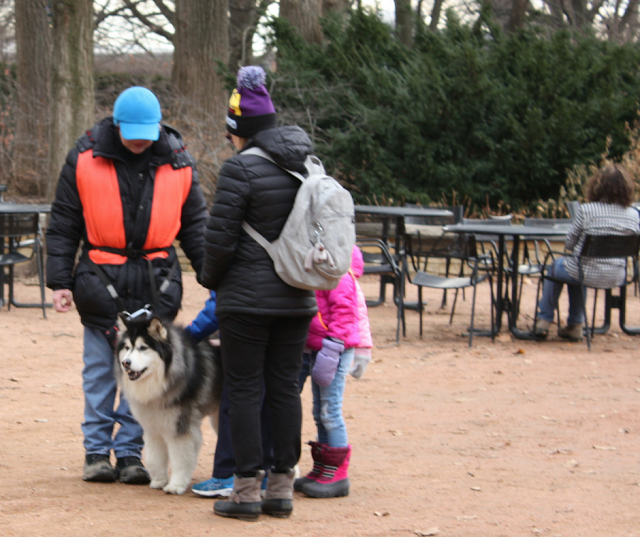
[312, 163]
[257, 237]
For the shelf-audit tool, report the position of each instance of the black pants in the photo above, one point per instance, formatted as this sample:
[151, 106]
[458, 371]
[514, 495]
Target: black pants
[224, 460]
[264, 350]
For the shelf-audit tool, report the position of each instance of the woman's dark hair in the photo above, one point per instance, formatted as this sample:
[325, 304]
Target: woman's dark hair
[610, 184]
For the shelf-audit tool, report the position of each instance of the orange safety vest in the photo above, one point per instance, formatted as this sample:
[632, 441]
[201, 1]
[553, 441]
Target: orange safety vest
[102, 207]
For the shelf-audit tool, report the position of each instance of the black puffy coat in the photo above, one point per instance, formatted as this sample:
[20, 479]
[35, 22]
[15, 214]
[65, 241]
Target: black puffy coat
[67, 229]
[253, 189]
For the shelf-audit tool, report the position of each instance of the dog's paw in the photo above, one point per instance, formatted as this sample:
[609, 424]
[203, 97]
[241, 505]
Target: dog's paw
[158, 483]
[173, 488]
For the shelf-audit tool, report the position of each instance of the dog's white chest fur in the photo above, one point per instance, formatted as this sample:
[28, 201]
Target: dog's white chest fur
[170, 383]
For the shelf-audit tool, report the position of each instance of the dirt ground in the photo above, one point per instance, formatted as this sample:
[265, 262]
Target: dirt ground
[508, 438]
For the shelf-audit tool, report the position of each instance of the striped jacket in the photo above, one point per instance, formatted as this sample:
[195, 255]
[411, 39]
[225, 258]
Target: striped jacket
[599, 218]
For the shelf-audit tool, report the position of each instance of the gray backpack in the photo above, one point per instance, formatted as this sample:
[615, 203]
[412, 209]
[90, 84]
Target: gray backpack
[314, 248]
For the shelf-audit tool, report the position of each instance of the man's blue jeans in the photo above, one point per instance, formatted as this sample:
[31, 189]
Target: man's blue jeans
[100, 414]
[551, 295]
[327, 403]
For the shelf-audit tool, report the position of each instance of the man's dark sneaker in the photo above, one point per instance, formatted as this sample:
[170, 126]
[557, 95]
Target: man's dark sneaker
[132, 472]
[98, 468]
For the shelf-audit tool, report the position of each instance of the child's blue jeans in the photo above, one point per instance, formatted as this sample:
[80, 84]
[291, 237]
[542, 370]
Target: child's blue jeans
[327, 403]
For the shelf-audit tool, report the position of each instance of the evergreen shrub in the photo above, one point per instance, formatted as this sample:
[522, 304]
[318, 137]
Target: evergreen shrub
[469, 112]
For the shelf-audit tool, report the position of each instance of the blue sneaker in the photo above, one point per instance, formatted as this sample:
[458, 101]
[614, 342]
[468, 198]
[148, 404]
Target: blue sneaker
[214, 488]
[263, 486]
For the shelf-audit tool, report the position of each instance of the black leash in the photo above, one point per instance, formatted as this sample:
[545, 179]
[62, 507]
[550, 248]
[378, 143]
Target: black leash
[133, 254]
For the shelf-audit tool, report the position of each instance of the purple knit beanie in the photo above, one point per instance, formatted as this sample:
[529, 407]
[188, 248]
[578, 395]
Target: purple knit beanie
[250, 107]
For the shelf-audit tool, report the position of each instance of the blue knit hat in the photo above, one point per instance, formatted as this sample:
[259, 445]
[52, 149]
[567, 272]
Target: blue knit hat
[137, 113]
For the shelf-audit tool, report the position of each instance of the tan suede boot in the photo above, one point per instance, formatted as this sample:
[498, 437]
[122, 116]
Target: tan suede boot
[572, 332]
[244, 502]
[278, 500]
[541, 329]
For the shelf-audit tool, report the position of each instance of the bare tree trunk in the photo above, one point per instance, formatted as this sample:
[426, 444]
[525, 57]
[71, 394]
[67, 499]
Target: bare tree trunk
[404, 22]
[335, 5]
[243, 17]
[201, 39]
[72, 87]
[33, 44]
[518, 12]
[435, 15]
[304, 16]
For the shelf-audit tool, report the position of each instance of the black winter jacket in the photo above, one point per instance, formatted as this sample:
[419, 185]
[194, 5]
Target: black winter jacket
[253, 189]
[67, 229]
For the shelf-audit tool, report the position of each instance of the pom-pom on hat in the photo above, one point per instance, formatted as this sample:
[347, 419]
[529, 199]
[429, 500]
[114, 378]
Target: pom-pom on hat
[250, 106]
[137, 113]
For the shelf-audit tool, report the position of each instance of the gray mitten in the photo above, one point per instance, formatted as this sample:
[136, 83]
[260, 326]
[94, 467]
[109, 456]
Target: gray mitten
[327, 361]
[361, 360]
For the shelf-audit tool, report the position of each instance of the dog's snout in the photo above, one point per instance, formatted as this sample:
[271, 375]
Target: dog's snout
[126, 363]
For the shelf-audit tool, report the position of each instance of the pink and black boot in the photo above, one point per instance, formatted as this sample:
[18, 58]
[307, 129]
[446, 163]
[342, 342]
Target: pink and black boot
[316, 471]
[334, 481]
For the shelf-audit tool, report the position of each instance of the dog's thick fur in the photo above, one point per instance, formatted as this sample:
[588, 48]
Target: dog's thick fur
[171, 383]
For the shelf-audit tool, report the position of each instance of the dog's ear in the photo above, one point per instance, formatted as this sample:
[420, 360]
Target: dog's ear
[157, 330]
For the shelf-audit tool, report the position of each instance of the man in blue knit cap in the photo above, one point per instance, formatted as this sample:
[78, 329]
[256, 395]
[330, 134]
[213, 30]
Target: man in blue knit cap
[127, 191]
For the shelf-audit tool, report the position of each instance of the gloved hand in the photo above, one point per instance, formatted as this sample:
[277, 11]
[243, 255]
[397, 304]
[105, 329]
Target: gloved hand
[327, 361]
[361, 360]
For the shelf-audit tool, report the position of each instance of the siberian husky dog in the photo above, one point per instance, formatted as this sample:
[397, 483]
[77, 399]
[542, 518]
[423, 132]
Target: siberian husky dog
[171, 383]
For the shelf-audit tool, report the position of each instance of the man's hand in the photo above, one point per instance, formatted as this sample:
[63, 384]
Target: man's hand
[62, 300]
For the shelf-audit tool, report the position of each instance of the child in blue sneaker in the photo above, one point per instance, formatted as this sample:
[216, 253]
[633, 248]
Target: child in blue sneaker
[224, 464]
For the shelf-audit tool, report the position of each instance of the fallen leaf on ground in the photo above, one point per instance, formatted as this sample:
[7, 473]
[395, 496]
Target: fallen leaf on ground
[605, 448]
[381, 513]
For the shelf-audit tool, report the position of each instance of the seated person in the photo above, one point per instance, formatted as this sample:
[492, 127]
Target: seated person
[608, 212]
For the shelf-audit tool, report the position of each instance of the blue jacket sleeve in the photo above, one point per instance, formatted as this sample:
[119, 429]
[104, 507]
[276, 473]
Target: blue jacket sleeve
[206, 322]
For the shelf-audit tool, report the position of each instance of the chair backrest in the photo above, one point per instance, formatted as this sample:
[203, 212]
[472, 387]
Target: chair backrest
[380, 255]
[610, 246]
[489, 222]
[15, 226]
[573, 207]
[456, 218]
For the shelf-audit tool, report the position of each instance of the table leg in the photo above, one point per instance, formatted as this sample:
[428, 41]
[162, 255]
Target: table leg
[515, 307]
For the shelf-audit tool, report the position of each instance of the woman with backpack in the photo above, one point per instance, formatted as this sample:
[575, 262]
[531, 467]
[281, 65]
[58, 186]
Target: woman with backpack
[263, 321]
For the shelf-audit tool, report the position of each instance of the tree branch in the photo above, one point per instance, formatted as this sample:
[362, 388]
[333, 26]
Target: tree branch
[166, 11]
[156, 29]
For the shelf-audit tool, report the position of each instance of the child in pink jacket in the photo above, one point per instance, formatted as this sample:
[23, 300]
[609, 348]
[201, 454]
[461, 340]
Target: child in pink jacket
[362, 355]
[333, 337]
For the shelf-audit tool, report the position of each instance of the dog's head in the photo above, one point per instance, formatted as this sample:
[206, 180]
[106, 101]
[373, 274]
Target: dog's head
[143, 347]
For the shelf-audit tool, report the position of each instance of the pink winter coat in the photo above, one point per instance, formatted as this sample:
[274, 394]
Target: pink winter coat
[338, 310]
[357, 269]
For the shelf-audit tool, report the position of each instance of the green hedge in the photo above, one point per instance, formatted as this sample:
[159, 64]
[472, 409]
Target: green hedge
[492, 118]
